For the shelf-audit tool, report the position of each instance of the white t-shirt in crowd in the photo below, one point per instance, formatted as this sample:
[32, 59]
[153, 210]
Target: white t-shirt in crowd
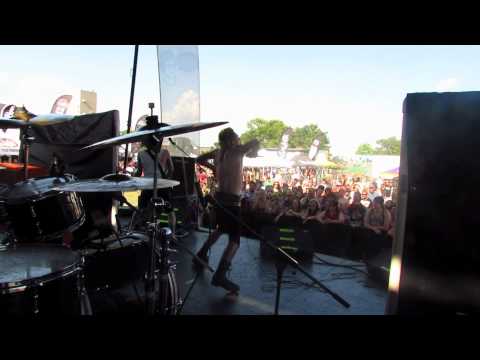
[374, 195]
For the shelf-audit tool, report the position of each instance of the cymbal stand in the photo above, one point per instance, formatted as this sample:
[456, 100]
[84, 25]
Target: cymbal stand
[26, 141]
[154, 144]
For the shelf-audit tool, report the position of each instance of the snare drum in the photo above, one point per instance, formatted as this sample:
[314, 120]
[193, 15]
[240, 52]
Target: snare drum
[40, 214]
[40, 279]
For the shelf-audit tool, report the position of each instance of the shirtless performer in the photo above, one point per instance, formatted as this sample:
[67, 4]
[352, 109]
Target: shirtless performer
[228, 162]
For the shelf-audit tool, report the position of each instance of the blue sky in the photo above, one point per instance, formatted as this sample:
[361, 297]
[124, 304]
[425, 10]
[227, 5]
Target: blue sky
[354, 93]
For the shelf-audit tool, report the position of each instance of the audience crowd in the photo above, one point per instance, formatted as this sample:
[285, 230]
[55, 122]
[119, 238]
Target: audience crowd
[301, 194]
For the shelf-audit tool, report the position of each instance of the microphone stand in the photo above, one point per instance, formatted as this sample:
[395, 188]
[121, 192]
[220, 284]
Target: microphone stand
[130, 107]
[280, 265]
[284, 259]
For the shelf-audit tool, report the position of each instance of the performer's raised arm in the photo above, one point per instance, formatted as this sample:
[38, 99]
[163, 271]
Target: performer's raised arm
[251, 146]
[204, 158]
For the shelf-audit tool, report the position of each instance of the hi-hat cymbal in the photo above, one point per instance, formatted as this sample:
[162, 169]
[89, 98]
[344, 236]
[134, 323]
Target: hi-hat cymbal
[115, 183]
[40, 120]
[165, 131]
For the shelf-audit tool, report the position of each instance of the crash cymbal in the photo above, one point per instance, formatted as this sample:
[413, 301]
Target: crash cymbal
[12, 123]
[115, 183]
[40, 120]
[165, 131]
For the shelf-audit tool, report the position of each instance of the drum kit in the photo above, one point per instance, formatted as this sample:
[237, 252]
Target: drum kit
[40, 274]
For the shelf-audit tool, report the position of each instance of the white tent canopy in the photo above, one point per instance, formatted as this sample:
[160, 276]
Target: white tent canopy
[267, 162]
[271, 158]
[267, 158]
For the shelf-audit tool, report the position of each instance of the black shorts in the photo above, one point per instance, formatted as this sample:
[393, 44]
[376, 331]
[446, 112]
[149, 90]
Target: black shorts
[226, 223]
[228, 214]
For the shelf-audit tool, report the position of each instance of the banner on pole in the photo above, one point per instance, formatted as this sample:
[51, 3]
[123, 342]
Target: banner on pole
[282, 151]
[312, 154]
[179, 77]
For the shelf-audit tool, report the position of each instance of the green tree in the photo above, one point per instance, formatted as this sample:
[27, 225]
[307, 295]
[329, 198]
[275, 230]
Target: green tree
[388, 146]
[268, 132]
[365, 149]
[303, 137]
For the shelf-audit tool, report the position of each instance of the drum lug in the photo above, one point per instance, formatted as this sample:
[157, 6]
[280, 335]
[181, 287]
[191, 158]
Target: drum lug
[173, 264]
[36, 310]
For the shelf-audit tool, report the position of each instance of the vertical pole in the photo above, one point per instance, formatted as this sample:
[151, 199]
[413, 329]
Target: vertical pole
[130, 108]
[280, 264]
[150, 288]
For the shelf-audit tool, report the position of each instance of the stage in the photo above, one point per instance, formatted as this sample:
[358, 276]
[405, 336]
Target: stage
[256, 276]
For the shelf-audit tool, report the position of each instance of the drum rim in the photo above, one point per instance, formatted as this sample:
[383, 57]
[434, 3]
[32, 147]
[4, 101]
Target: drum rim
[28, 202]
[23, 285]
[88, 252]
[57, 234]
[39, 197]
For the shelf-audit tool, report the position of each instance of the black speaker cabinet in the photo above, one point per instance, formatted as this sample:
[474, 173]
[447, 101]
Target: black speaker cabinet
[184, 172]
[436, 253]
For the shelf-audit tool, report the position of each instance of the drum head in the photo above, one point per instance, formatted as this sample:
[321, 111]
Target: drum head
[34, 188]
[22, 265]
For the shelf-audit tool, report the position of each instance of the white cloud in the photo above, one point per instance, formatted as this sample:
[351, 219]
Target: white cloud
[186, 109]
[447, 84]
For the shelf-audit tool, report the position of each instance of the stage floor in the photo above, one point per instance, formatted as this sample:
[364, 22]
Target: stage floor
[256, 276]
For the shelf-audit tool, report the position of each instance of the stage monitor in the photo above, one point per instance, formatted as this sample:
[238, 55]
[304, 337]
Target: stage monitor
[435, 265]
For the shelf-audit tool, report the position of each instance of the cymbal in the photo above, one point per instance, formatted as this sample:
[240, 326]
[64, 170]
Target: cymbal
[165, 131]
[40, 120]
[12, 123]
[115, 183]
